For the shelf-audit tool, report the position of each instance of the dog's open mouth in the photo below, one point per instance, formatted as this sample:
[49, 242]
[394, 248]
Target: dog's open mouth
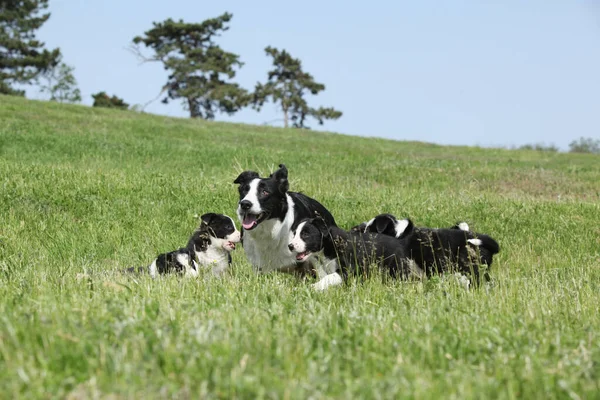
[252, 220]
[302, 256]
[229, 246]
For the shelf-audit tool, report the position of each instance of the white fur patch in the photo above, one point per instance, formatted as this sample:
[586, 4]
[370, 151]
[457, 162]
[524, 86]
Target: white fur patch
[327, 281]
[322, 265]
[152, 270]
[368, 224]
[463, 280]
[190, 267]
[475, 242]
[400, 227]
[215, 257]
[463, 226]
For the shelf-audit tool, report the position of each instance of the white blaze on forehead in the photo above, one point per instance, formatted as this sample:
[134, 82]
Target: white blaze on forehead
[252, 197]
[297, 242]
[368, 224]
[400, 227]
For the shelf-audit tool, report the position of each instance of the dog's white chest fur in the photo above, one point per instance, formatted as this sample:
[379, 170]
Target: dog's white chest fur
[215, 258]
[266, 246]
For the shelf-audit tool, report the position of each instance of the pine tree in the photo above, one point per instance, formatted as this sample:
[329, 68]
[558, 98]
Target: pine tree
[199, 70]
[288, 84]
[22, 56]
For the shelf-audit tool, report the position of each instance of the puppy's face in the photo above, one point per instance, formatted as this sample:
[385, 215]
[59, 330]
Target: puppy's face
[260, 198]
[387, 224]
[306, 240]
[222, 230]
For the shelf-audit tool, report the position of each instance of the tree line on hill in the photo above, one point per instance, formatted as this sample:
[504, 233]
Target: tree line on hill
[201, 73]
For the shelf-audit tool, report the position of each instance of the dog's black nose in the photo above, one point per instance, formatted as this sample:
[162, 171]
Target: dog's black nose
[291, 247]
[245, 204]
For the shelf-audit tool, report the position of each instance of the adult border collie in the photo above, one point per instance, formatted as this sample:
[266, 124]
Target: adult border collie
[439, 250]
[268, 212]
[208, 247]
[349, 253]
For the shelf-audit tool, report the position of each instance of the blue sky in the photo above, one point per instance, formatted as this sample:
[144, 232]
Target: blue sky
[502, 73]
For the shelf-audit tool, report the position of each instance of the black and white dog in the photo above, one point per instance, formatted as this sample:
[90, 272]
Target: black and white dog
[439, 250]
[348, 253]
[268, 213]
[208, 247]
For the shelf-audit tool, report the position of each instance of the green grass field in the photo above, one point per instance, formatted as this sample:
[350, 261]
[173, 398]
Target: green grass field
[86, 192]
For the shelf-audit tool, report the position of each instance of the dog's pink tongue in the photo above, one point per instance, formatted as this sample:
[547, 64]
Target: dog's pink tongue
[249, 221]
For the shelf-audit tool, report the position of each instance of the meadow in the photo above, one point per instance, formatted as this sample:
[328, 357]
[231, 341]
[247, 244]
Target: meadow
[86, 192]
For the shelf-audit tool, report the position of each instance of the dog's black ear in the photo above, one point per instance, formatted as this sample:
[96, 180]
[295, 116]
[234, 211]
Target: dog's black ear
[206, 218]
[404, 228]
[246, 176]
[281, 177]
[321, 225]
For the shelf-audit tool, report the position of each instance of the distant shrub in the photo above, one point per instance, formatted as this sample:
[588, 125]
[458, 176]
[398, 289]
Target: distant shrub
[585, 145]
[540, 147]
[101, 99]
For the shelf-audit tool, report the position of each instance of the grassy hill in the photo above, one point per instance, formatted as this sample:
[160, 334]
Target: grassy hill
[85, 192]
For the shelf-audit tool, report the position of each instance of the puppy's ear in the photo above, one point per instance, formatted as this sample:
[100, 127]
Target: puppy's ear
[404, 228]
[246, 176]
[281, 177]
[321, 225]
[206, 218]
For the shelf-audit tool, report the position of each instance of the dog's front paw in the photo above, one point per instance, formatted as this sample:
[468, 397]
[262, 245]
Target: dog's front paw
[327, 281]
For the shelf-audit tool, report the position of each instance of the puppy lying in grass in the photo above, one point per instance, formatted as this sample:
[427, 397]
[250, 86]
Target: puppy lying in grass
[438, 250]
[208, 247]
[346, 253]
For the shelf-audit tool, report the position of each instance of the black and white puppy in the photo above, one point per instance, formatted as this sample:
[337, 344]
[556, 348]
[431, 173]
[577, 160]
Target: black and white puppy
[439, 250]
[348, 253]
[268, 212]
[208, 247]
[362, 227]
